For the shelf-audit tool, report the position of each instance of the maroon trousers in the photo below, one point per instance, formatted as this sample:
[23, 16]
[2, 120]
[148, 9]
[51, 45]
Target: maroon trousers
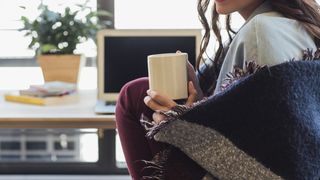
[136, 146]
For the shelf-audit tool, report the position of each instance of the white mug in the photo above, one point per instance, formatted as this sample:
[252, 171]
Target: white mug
[168, 74]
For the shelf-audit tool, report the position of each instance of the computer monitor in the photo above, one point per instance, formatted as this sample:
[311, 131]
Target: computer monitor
[122, 54]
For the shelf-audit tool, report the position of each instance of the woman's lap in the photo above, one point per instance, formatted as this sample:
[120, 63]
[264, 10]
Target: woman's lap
[135, 145]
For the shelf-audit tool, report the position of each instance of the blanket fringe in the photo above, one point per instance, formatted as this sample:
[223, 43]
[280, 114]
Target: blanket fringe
[238, 73]
[156, 164]
[308, 55]
[175, 113]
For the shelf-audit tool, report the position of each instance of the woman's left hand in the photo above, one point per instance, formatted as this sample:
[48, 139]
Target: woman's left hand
[159, 102]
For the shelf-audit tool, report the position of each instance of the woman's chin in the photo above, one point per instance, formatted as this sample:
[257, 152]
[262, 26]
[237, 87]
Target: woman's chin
[223, 12]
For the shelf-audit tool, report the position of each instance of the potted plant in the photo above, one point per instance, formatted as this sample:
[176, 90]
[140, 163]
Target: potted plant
[55, 37]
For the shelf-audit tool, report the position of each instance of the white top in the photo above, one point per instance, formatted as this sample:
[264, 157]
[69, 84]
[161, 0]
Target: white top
[267, 38]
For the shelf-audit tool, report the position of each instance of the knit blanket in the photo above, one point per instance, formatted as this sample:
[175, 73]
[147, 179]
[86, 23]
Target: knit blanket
[264, 125]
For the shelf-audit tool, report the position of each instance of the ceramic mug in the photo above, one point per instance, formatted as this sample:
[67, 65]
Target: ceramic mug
[168, 74]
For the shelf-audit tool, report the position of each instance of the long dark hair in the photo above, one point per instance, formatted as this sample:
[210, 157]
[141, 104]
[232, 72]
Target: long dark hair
[305, 11]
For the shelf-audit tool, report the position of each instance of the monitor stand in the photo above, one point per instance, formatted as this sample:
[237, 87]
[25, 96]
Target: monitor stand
[103, 107]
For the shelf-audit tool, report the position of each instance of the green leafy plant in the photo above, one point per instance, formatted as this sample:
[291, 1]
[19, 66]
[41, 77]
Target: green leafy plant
[59, 33]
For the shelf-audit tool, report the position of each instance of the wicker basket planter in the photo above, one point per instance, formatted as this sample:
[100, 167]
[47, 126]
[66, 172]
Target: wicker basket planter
[64, 68]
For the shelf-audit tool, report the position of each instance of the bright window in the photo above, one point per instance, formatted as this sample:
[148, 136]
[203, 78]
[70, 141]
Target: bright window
[13, 43]
[160, 14]
[137, 14]
[164, 14]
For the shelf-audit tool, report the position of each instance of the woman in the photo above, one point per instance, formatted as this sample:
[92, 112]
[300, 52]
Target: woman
[275, 31]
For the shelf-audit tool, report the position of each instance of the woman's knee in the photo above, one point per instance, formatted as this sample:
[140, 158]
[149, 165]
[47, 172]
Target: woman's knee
[134, 88]
[132, 94]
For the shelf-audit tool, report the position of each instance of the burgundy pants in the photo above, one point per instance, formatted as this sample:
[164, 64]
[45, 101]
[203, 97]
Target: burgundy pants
[136, 146]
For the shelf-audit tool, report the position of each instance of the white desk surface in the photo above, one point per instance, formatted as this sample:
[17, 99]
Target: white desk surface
[76, 115]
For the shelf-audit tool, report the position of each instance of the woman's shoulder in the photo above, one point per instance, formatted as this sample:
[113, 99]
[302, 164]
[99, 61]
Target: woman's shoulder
[272, 38]
[273, 24]
[268, 17]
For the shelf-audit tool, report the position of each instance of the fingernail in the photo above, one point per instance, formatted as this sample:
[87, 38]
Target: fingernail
[151, 93]
[146, 99]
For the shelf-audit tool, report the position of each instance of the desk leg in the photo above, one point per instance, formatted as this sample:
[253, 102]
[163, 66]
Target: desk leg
[107, 151]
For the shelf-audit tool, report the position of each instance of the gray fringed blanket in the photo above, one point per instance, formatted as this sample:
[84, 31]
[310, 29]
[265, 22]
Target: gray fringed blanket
[263, 126]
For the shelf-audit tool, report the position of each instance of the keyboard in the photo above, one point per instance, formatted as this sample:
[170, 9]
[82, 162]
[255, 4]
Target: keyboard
[110, 103]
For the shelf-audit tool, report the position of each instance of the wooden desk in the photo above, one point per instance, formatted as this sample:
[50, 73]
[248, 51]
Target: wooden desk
[75, 115]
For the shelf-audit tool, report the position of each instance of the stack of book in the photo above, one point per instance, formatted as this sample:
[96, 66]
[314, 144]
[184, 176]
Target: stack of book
[50, 93]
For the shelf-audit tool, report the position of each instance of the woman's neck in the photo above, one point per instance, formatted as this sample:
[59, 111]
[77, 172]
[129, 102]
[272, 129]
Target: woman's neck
[247, 11]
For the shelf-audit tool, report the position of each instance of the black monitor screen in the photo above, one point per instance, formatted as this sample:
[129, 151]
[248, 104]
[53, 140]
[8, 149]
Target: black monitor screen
[126, 57]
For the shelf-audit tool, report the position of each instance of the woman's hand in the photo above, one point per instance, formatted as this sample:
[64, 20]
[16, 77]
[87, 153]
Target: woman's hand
[193, 77]
[159, 102]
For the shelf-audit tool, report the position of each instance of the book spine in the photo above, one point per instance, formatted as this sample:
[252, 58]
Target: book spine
[24, 99]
